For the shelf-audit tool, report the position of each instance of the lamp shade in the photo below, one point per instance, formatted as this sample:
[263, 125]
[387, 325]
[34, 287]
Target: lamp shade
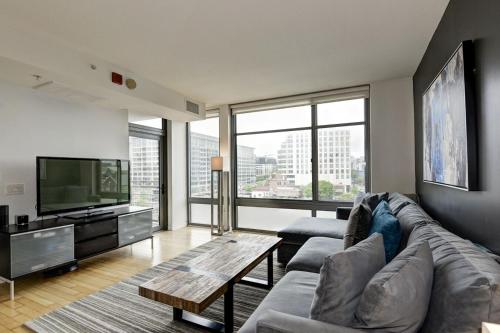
[216, 163]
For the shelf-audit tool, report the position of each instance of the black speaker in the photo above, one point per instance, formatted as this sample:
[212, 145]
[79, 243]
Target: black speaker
[4, 215]
[22, 219]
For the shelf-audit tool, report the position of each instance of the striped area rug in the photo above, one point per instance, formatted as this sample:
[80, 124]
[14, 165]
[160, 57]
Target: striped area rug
[119, 308]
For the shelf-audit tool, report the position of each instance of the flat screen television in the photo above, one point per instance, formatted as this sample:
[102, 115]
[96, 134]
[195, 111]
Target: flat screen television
[75, 184]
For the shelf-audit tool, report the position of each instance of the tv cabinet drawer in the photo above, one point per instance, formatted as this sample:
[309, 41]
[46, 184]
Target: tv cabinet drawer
[95, 246]
[39, 250]
[134, 227]
[95, 229]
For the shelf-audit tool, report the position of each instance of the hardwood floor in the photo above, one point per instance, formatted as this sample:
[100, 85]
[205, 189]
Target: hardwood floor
[36, 294]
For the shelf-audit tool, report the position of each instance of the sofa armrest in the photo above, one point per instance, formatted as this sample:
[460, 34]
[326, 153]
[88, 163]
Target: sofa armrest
[279, 322]
[343, 213]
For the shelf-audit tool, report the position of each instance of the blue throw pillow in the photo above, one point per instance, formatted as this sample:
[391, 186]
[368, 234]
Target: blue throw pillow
[385, 223]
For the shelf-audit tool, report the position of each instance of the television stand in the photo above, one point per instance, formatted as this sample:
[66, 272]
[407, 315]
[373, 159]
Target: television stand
[87, 215]
[57, 245]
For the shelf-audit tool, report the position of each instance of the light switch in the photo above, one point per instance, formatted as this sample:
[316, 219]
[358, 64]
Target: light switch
[15, 189]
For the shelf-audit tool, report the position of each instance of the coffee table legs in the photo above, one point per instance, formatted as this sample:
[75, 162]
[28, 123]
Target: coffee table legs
[259, 283]
[229, 309]
[227, 327]
[270, 269]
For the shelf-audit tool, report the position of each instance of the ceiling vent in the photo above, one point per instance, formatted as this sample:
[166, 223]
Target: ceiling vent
[192, 107]
[59, 90]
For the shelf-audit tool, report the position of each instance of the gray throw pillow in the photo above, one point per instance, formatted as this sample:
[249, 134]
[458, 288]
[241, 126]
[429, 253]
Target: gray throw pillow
[358, 225]
[396, 298]
[343, 277]
[372, 199]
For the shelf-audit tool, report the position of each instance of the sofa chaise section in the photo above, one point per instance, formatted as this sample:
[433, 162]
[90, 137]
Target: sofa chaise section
[296, 234]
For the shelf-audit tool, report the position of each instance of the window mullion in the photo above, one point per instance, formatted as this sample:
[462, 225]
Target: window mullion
[314, 152]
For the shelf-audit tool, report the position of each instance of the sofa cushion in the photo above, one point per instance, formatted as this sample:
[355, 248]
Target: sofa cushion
[279, 322]
[409, 215]
[343, 277]
[311, 255]
[307, 227]
[293, 294]
[358, 224]
[397, 201]
[387, 224]
[466, 283]
[397, 297]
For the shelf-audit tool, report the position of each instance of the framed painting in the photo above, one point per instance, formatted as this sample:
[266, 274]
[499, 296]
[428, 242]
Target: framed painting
[449, 124]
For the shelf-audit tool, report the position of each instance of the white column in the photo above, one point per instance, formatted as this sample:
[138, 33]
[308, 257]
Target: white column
[225, 147]
[225, 135]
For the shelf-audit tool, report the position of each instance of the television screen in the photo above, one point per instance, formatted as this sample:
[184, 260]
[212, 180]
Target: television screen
[72, 184]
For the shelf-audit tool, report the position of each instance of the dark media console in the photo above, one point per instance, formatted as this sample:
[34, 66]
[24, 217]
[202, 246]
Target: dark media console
[87, 215]
[54, 243]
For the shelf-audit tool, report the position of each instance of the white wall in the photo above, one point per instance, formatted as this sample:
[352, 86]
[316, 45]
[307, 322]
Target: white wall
[392, 136]
[178, 180]
[32, 123]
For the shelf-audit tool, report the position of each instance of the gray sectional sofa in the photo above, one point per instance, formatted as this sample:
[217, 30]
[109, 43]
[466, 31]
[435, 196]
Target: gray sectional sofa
[465, 289]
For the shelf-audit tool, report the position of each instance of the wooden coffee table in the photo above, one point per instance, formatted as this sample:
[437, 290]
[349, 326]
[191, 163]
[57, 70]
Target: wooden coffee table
[190, 288]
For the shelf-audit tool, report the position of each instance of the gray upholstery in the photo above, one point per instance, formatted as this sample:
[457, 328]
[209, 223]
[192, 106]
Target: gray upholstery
[293, 294]
[287, 251]
[343, 278]
[466, 283]
[296, 234]
[371, 199]
[465, 288]
[397, 201]
[409, 216]
[358, 224]
[279, 322]
[311, 255]
[397, 297]
[307, 227]
[343, 213]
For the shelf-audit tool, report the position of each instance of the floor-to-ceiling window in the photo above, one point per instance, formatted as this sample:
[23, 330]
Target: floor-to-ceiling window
[146, 167]
[302, 156]
[203, 144]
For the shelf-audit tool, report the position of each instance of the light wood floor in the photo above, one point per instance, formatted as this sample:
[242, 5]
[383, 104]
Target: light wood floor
[36, 295]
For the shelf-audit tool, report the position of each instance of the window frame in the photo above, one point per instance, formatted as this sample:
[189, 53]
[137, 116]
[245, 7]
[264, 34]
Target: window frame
[191, 199]
[313, 204]
[152, 133]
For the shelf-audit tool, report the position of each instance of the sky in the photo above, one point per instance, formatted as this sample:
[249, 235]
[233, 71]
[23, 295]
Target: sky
[268, 144]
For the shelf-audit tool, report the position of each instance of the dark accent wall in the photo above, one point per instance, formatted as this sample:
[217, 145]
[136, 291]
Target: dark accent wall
[472, 215]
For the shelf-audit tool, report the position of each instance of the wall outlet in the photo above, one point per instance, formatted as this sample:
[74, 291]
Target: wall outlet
[14, 189]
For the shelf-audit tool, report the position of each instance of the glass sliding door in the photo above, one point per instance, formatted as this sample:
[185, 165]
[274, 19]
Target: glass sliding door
[203, 144]
[146, 171]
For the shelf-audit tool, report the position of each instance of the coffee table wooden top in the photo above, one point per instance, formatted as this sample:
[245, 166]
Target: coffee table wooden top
[196, 284]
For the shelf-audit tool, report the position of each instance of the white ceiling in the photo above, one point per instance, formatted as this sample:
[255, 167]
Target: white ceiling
[225, 51]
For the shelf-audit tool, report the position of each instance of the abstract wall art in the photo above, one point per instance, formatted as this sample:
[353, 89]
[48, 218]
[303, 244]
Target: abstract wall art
[449, 123]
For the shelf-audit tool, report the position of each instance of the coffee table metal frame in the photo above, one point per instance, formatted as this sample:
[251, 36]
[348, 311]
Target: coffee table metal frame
[228, 324]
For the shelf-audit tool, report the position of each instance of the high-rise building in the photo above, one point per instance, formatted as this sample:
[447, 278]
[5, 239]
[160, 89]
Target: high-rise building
[334, 157]
[265, 166]
[144, 174]
[246, 165]
[203, 148]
